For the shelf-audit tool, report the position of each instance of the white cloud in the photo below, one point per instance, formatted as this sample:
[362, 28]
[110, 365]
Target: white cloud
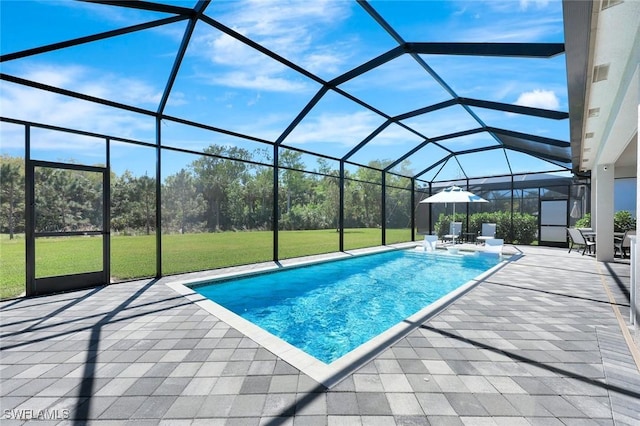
[246, 80]
[92, 82]
[341, 128]
[524, 4]
[241, 67]
[507, 20]
[505, 88]
[443, 122]
[44, 107]
[537, 98]
[510, 6]
[323, 60]
[513, 30]
[291, 29]
[401, 139]
[55, 75]
[399, 82]
[254, 101]
[118, 15]
[284, 18]
[223, 49]
[460, 11]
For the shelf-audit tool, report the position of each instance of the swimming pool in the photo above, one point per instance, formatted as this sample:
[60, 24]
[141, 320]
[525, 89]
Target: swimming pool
[329, 309]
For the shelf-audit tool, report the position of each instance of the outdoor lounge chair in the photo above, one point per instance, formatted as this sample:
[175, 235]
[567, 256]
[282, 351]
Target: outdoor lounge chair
[488, 232]
[455, 230]
[577, 239]
[623, 244]
[430, 243]
[493, 245]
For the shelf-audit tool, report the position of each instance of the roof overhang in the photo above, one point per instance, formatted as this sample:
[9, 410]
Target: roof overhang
[578, 17]
[603, 52]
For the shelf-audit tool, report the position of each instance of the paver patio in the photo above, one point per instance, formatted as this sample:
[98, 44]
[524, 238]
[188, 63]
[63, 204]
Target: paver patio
[538, 342]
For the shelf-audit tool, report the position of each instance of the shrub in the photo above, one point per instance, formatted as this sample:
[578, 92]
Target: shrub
[623, 221]
[584, 221]
[525, 226]
[441, 227]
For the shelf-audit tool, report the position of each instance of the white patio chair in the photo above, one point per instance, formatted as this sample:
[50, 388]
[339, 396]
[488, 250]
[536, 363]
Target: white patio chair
[488, 232]
[494, 245]
[430, 243]
[455, 230]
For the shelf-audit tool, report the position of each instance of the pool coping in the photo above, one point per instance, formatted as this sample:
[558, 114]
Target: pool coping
[327, 374]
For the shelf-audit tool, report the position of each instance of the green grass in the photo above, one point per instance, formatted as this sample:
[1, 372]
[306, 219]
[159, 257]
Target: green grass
[134, 256]
[12, 266]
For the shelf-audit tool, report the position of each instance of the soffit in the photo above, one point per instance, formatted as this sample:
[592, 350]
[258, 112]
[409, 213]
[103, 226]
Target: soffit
[609, 119]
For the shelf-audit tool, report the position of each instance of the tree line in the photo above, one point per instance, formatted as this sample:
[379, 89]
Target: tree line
[212, 193]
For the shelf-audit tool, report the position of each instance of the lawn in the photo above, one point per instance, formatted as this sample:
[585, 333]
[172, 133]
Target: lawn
[134, 256]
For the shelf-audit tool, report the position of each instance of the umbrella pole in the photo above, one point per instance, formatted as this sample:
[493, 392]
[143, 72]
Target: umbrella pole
[453, 219]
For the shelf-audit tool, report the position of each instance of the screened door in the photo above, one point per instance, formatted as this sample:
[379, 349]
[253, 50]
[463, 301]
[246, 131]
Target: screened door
[67, 227]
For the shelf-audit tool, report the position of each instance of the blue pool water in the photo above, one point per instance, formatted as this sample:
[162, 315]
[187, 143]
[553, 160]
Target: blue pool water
[329, 309]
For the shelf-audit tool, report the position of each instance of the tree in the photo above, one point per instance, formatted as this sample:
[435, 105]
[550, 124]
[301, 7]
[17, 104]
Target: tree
[329, 190]
[182, 206]
[11, 194]
[121, 202]
[252, 207]
[215, 178]
[67, 200]
[369, 194]
[146, 195]
[133, 203]
[293, 181]
[398, 201]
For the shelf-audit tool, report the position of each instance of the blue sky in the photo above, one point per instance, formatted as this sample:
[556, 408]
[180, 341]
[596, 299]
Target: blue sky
[227, 84]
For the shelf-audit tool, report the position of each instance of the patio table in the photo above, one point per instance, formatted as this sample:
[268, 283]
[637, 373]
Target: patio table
[591, 235]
